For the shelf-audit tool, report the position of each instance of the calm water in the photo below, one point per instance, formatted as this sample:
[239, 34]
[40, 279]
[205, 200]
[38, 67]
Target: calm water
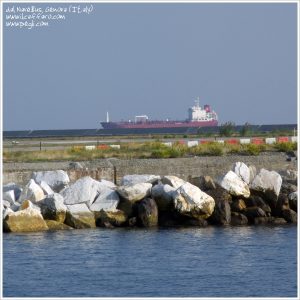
[202, 262]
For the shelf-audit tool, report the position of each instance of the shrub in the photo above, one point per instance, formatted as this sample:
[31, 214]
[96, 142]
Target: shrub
[284, 147]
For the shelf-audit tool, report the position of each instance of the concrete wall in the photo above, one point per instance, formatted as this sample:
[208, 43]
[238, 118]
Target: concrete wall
[115, 169]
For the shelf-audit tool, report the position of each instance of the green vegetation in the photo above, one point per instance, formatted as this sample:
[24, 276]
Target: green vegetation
[227, 129]
[154, 149]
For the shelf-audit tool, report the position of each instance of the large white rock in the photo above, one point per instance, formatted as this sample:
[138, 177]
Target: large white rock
[80, 208]
[163, 194]
[173, 181]
[32, 192]
[57, 180]
[293, 196]
[106, 183]
[12, 187]
[136, 178]
[85, 189]
[234, 185]
[190, 200]
[107, 200]
[135, 192]
[46, 188]
[53, 207]
[241, 169]
[267, 182]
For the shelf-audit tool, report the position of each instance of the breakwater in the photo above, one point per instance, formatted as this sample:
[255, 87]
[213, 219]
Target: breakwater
[242, 195]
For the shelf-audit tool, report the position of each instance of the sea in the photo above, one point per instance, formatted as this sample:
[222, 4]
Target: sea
[246, 261]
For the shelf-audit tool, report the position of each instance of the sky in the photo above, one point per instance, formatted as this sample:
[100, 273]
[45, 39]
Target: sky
[154, 59]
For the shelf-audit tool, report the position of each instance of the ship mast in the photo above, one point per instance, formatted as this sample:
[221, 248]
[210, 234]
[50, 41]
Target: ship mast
[197, 102]
[107, 117]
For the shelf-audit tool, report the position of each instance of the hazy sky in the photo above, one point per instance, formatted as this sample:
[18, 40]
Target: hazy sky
[153, 59]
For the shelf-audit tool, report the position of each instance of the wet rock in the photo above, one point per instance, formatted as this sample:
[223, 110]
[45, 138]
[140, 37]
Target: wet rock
[57, 180]
[278, 221]
[281, 204]
[238, 205]
[259, 202]
[191, 201]
[293, 201]
[222, 211]
[25, 220]
[253, 212]
[132, 221]
[134, 179]
[241, 169]
[84, 190]
[107, 200]
[135, 192]
[262, 220]
[53, 208]
[197, 222]
[173, 181]
[163, 194]
[79, 216]
[268, 183]
[234, 185]
[238, 219]
[54, 225]
[147, 213]
[204, 183]
[168, 219]
[289, 215]
[32, 192]
[114, 218]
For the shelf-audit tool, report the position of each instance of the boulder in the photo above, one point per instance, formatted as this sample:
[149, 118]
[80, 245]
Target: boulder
[191, 201]
[147, 213]
[258, 201]
[134, 179]
[289, 176]
[278, 221]
[204, 183]
[32, 192]
[134, 192]
[253, 173]
[9, 196]
[114, 218]
[74, 165]
[79, 216]
[54, 225]
[53, 208]
[163, 194]
[28, 204]
[288, 188]
[234, 185]
[267, 183]
[289, 215]
[6, 204]
[253, 212]
[238, 219]
[241, 169]
[12, 187]
[222, 210]
[293, 201]
[269, 220]
[238, 205]
[57, 180]
[107, 183]
[46, 188]
[281, 204]
[84, 190]
[28, 219]
[173, 181]
[107, 200]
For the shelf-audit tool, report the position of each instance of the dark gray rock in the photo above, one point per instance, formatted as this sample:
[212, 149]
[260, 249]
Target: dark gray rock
[259, 202]
[253, 212]
[147, 213]
[238, 205]
[238, 219]
[289, 215]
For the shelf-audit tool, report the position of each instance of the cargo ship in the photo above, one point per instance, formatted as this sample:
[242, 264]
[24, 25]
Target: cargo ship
[197, 117]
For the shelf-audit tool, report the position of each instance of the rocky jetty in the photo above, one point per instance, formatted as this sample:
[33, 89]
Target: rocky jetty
[242, 196]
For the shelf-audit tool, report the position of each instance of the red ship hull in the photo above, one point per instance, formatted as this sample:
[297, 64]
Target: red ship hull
[159, 124]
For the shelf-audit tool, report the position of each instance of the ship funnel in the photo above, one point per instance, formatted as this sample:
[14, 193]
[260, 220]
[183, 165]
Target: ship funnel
[107, 117]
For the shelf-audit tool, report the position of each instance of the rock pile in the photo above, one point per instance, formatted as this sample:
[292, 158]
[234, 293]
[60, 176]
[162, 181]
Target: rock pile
[242, 196]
